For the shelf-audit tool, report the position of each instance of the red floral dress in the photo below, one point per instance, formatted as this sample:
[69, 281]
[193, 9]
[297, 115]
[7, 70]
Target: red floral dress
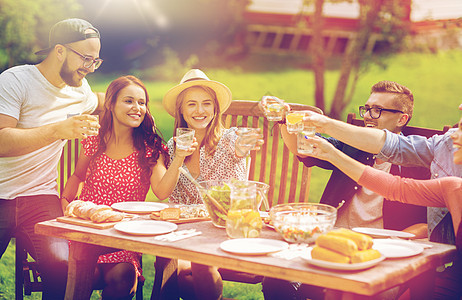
[110, 181]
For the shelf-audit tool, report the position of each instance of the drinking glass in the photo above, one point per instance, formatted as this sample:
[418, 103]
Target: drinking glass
[294, 121]
[274, 110]
[94, 129]
[243, 220]
[303, 145]
[184, 138]
[247, 138]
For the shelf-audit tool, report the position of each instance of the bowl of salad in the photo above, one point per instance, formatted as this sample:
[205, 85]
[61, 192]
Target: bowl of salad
[302, 222]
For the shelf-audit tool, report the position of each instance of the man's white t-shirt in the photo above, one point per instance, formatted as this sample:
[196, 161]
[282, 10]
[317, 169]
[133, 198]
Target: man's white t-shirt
[365, 207]
[26, 95]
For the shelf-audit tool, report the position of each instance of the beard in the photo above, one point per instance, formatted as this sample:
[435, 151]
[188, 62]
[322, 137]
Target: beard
[68, 76]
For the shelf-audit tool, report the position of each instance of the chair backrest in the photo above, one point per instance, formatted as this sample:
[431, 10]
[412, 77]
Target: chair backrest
[274, 164]
[68, 162]
[408, 130]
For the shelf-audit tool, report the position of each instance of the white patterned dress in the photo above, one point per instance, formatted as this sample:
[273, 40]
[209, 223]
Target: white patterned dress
[222, 165]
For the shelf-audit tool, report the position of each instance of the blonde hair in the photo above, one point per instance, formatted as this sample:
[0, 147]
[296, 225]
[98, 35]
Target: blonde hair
[214, 129]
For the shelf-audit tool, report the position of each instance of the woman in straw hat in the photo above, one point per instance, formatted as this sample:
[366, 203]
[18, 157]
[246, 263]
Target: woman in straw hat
[198, 103]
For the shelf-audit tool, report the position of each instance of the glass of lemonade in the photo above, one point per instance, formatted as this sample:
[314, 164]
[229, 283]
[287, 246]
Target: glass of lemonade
[184, 138]
[243, 220]
[303, 145]
[274, 110]
[294, 121]
[247, 138]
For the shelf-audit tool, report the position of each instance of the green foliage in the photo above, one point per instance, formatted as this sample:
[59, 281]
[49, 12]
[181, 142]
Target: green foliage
[24, 27]
[169, 68]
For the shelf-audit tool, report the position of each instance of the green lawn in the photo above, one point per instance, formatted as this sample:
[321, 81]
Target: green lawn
[434, 79]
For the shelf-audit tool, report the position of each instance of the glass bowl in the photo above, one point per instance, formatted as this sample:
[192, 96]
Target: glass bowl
[302, 222]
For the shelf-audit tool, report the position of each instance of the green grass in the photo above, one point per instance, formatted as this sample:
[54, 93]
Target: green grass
[434, 80]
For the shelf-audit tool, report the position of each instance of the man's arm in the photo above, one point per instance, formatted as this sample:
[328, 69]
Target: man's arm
[99, 109]
[369, 140]
[19, 141]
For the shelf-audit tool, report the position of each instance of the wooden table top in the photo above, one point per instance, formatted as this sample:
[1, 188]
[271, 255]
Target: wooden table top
[205, 249]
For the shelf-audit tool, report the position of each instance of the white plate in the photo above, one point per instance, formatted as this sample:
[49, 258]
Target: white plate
[377, 232]
[397, 248]
[139, 207]
[338, 266]
[253, 246]
[145, 227]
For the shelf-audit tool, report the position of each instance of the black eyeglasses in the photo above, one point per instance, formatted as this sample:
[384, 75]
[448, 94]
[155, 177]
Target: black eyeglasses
[88, 61]
[375, 112]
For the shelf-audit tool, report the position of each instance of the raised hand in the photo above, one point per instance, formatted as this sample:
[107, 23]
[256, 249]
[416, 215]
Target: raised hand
[78, 127]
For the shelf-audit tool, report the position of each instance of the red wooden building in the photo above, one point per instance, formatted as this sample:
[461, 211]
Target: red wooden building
[273, 25]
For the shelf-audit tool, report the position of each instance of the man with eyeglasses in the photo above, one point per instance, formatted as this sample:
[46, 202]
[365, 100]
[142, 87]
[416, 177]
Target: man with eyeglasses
[434, 154]
[34, 103]
[390, 106]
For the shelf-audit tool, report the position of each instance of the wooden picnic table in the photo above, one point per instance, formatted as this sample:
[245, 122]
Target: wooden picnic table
[88, 243]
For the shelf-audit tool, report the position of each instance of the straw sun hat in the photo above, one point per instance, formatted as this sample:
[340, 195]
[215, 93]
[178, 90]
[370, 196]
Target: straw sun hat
[197, 77]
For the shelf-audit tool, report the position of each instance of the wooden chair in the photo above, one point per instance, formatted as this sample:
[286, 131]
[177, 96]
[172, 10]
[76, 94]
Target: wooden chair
[274, 164]
[408, 130]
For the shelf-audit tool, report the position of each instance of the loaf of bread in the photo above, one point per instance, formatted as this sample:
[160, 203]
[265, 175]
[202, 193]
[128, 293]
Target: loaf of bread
[98, 208]
[70, 208]
[322, 253]
[82, 209]
[363, 241]
[90, 211]
[339, 244]
[365, 255]
[104, 215]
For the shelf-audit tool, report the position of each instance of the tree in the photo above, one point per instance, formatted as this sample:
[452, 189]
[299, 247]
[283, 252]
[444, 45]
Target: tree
[384, 17]
[24, 27]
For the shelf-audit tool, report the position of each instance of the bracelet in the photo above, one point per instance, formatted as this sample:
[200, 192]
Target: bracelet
[65, 198]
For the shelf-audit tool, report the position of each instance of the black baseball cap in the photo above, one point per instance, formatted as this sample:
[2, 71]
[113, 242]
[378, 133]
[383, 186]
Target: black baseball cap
[69, 31]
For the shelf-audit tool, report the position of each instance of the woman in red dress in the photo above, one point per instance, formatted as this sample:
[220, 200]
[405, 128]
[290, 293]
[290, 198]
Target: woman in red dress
[120, 164]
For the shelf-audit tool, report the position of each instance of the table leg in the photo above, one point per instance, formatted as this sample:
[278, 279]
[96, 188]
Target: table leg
[165, 280]
[82, 263]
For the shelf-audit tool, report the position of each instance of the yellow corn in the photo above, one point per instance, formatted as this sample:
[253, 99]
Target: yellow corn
[329, 255]
[335, 243]
[363, 241]
[365, 255]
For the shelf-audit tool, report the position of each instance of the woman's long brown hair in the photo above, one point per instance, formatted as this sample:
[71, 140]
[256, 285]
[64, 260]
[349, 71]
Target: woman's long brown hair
[145, 135]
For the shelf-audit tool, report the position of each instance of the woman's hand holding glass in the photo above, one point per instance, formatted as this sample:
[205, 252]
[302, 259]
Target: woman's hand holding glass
[249, 139]
[322, 149]
[180, 152]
